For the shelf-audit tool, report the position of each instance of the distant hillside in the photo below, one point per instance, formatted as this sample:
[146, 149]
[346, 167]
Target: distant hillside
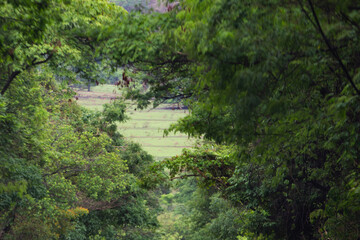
[130, 5]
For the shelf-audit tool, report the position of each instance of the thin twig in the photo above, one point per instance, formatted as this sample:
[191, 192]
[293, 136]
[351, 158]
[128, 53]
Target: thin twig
[332, 49]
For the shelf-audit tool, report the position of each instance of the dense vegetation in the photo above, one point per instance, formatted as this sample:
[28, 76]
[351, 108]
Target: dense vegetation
[277, 83]
[272, 88]
[66, 173]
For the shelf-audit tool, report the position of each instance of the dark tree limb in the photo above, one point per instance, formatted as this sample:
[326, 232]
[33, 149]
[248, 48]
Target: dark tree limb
[332, 49]
[350, 21]
[10, 79]
[13, 75]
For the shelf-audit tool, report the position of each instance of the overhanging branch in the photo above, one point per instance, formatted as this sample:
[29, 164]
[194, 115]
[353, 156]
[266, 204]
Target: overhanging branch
[332, 49]
[13, 75]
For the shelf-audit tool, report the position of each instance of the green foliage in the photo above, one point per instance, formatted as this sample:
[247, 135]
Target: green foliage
[212, 163]
[201, 213]
[279, 81]
[274, 84]
[63, 166]
[73, 163]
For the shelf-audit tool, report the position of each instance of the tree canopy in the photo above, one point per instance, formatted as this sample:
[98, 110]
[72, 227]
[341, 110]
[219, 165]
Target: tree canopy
[273, 93]
[279, 82]
[66, 172]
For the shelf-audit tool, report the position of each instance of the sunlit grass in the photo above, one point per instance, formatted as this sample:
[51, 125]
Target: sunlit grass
[145, 127]
[105, 88]
[153, 124]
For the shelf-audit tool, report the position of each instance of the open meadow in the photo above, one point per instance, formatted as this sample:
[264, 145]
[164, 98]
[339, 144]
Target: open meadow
[146, 126]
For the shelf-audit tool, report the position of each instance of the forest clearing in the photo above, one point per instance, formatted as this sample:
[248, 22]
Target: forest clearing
[143, 126]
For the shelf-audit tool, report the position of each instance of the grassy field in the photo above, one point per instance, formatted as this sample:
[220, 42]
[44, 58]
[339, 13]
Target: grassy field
[146, 126]
[98, 96]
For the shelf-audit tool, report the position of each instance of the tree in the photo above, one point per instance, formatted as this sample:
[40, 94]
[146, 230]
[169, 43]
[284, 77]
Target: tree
[280, 81]
[63, 30]
[23, 26]
[62, 166]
